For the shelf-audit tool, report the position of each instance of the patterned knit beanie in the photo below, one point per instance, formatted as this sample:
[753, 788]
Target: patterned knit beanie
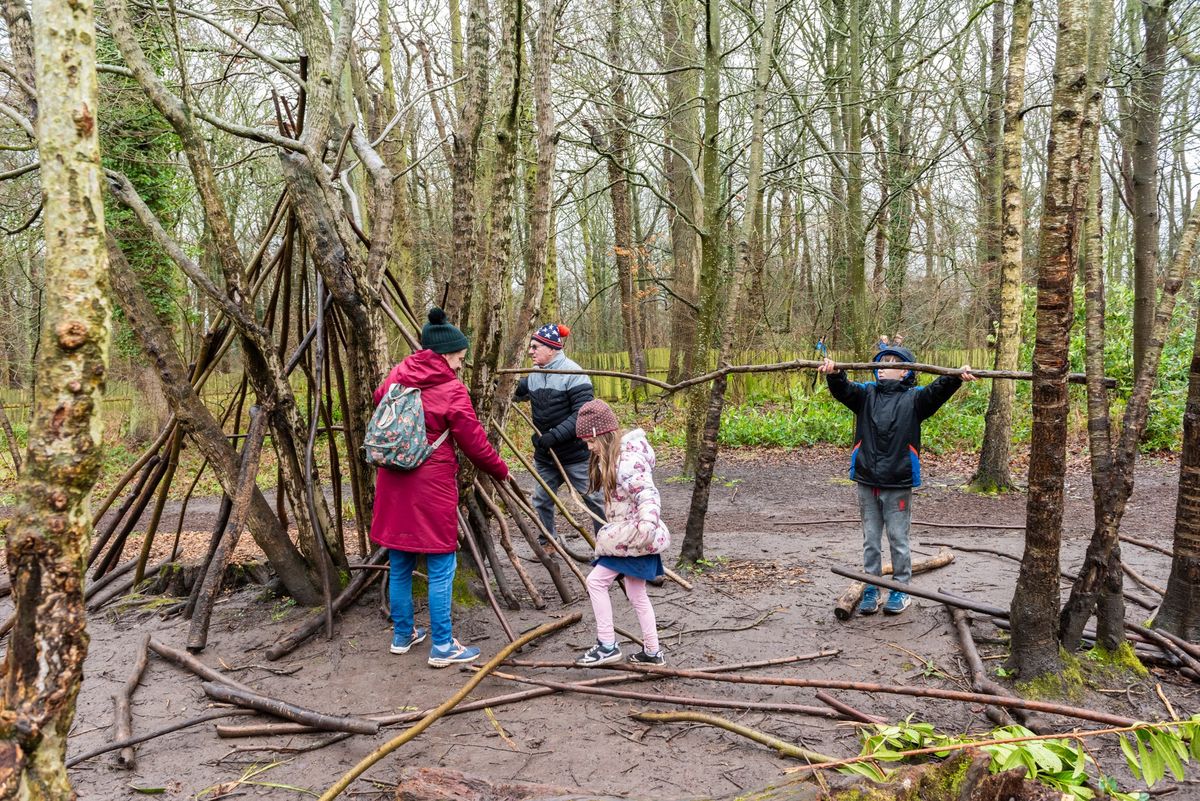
[440, 336]
[595, 418]
[552, 335]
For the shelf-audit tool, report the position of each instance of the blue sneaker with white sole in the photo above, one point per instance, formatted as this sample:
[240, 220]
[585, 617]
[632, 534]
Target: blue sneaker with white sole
[869, 604]
[897, 602]
[455, 653]
[402, 644]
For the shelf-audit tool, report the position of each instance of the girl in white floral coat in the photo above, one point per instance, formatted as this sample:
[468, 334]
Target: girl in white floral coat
[630, 544]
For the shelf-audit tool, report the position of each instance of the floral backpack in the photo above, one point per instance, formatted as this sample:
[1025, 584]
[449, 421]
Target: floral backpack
[396, 435]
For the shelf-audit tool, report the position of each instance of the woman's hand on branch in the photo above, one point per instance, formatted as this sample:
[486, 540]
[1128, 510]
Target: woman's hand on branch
[827, 367]
[965, 373]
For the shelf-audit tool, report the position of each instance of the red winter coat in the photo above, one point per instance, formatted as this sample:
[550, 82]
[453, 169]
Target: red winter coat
[416, 510]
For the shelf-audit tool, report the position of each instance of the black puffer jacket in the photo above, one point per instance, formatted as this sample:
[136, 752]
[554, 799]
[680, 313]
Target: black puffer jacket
[887, 429]
[555, 400]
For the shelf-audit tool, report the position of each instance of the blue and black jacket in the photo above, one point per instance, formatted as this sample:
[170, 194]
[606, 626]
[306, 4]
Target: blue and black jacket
[887, 429]
[555, 400]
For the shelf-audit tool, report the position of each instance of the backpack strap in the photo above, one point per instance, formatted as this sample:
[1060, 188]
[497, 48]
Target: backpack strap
[437, 443]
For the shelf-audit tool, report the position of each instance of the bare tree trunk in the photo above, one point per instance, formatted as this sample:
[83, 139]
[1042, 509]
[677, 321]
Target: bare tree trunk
[991, 173]
[993, 473]
[1180, 610]
[1035, 600]
[1116, 483]
[47, 537]
[708, 323]
[693, 541]
[540, 275]
[683, 138]
[464, 164]
[1146, 108]
[490, 330]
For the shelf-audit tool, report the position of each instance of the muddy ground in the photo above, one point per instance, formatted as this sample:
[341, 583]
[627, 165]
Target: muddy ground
[767, 568]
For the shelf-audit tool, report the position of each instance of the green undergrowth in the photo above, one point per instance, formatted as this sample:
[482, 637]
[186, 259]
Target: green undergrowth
[1066, 764]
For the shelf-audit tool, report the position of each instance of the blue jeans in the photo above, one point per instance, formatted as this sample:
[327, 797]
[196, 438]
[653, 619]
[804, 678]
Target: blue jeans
[578, 473]
[890, 509]
[440, 567]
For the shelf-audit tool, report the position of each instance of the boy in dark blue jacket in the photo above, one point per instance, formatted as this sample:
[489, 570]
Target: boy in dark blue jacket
[886, 460]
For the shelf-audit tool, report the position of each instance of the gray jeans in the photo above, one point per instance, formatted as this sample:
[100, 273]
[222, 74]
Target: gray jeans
[578, 473]
[890, 509]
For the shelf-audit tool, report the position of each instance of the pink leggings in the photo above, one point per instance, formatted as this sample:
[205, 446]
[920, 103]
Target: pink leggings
[598, 582]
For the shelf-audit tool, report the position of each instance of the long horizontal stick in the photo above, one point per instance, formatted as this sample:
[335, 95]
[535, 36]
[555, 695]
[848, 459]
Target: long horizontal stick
[802, 364]
[274, 729]
[871, 687]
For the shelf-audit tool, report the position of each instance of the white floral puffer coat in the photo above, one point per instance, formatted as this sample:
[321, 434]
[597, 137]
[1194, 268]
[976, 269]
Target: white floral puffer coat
[635, 526]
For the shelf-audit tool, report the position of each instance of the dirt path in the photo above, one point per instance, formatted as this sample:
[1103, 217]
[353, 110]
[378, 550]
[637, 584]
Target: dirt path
[762, 564]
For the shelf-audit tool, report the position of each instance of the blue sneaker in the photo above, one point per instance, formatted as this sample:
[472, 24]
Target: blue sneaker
[455, 653]
[402, 644]
[897, 602]
[870, 601]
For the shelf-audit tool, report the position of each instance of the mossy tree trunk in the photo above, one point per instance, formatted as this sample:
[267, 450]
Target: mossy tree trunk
[48, 535]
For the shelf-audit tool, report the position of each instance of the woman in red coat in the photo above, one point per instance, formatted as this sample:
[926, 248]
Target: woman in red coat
[416, 510]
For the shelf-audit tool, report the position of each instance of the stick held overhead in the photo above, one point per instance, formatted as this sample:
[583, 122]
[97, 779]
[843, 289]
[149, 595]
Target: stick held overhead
[803, 364]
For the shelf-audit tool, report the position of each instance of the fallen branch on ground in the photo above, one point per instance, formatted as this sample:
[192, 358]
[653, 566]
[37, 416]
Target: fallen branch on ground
[282, 709]
[379, 753]
[122, 715]
[271, 729]
[785, 748]
[141, 738]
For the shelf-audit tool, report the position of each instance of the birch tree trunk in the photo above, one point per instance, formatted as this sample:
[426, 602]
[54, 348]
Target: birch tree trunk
[1035, 601]
[48, 535]
[993, 474]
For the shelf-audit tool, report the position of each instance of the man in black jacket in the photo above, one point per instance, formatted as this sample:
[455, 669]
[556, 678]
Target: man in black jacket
[886, 460]
[555, 400]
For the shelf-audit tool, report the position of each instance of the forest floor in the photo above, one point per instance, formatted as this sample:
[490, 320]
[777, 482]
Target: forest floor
[769, 576]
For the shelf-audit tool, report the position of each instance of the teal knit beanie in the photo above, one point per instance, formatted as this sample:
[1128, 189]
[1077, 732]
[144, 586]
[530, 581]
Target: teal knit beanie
[440, 336]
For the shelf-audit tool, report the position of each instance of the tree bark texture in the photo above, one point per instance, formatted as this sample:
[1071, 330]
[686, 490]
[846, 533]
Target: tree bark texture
[540, 293]
[708, 322]
[464, 164]
[1146, 107]
[681, 157]
[47, 536]
[1180, 610]
[1117, 465]
[625, 251]
[993, 473]
[1035, 602]
[489, 332]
